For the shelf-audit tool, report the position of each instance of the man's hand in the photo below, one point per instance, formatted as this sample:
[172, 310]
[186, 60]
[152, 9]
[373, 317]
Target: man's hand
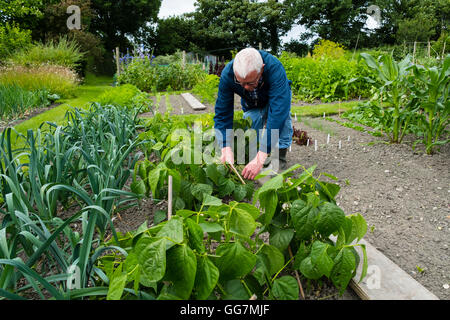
[227, 155]
[252, 169]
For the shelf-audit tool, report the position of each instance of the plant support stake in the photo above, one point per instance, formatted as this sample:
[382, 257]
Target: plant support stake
[315, 145]
[169, 204]
[328, 139]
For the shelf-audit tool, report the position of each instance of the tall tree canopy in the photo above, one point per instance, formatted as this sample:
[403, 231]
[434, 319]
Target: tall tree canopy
[337, 20]
[116, 20]
[239, 23]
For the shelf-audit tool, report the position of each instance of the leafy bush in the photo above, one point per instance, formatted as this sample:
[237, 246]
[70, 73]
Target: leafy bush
[15, 101]
[168, 59]
[327, 48]
[13, 38]
[207, 89]
[328, 79]
[149, 77]
[64, 53]
[127, 96]
[54, 79]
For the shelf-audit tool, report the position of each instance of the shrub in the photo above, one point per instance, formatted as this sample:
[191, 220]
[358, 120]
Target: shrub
[127, 96]
[327, 48]
[13, 38]
[207, 89]
[64, 53]
[149, 77]
[55, 79]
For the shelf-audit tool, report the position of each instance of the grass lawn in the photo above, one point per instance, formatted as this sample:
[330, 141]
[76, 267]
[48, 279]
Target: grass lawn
[92, 87]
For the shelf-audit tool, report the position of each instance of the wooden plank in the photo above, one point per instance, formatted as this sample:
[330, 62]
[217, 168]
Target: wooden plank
[385, 280]
[193, 102]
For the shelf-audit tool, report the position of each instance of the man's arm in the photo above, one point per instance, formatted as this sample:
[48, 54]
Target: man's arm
[224, 112]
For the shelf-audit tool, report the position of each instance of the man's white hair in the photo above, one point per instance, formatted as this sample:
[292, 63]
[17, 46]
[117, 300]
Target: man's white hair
[246, 61]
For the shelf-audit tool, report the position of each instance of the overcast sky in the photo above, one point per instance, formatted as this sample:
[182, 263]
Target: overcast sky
[175, 7]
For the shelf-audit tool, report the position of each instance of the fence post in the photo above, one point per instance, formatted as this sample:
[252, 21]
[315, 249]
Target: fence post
[414, 52]
[260, 46]
[117, 61]
[429, 49]
[184, 59]
[169, 200]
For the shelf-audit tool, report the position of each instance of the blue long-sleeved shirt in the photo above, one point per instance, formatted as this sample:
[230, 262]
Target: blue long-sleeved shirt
[275, 91]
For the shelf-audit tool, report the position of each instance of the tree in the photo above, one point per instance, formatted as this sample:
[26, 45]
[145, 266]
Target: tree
[241, 23]
[337, 20]
[115, 21]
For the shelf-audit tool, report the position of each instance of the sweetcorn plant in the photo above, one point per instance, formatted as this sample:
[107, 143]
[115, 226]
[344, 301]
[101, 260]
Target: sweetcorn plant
[433, 100]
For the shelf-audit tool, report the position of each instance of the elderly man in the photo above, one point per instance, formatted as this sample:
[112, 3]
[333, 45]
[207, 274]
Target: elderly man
[260, 80]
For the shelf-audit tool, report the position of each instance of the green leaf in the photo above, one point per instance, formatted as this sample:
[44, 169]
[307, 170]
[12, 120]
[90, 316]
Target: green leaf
[212, 173]
[309, 270]
[210, 227]
[285, 288]
[272, 185]
[302, 253]
[344, 267]
[272, 258]
[239, 193]
[138, 187]
[151, 256]
[209, 200]
[185, 213]
[235, 290]
[229, 254]
[241, 222]
[359, 226]
[117, 284]
[269, 201]
[159, 216]
[252, 210]
[304, 219]
[369, 60]
[226, 187]
[206, 278]
[331, 218]
[199, 190]
[320, 258]
[280, 238]
[181, 269]
[195, 236]
[153, 179]
[172, 229]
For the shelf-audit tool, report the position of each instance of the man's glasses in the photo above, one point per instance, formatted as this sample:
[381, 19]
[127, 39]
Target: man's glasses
[243, 84]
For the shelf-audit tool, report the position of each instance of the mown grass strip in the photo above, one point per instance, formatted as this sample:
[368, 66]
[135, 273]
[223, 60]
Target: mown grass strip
[86, 93]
